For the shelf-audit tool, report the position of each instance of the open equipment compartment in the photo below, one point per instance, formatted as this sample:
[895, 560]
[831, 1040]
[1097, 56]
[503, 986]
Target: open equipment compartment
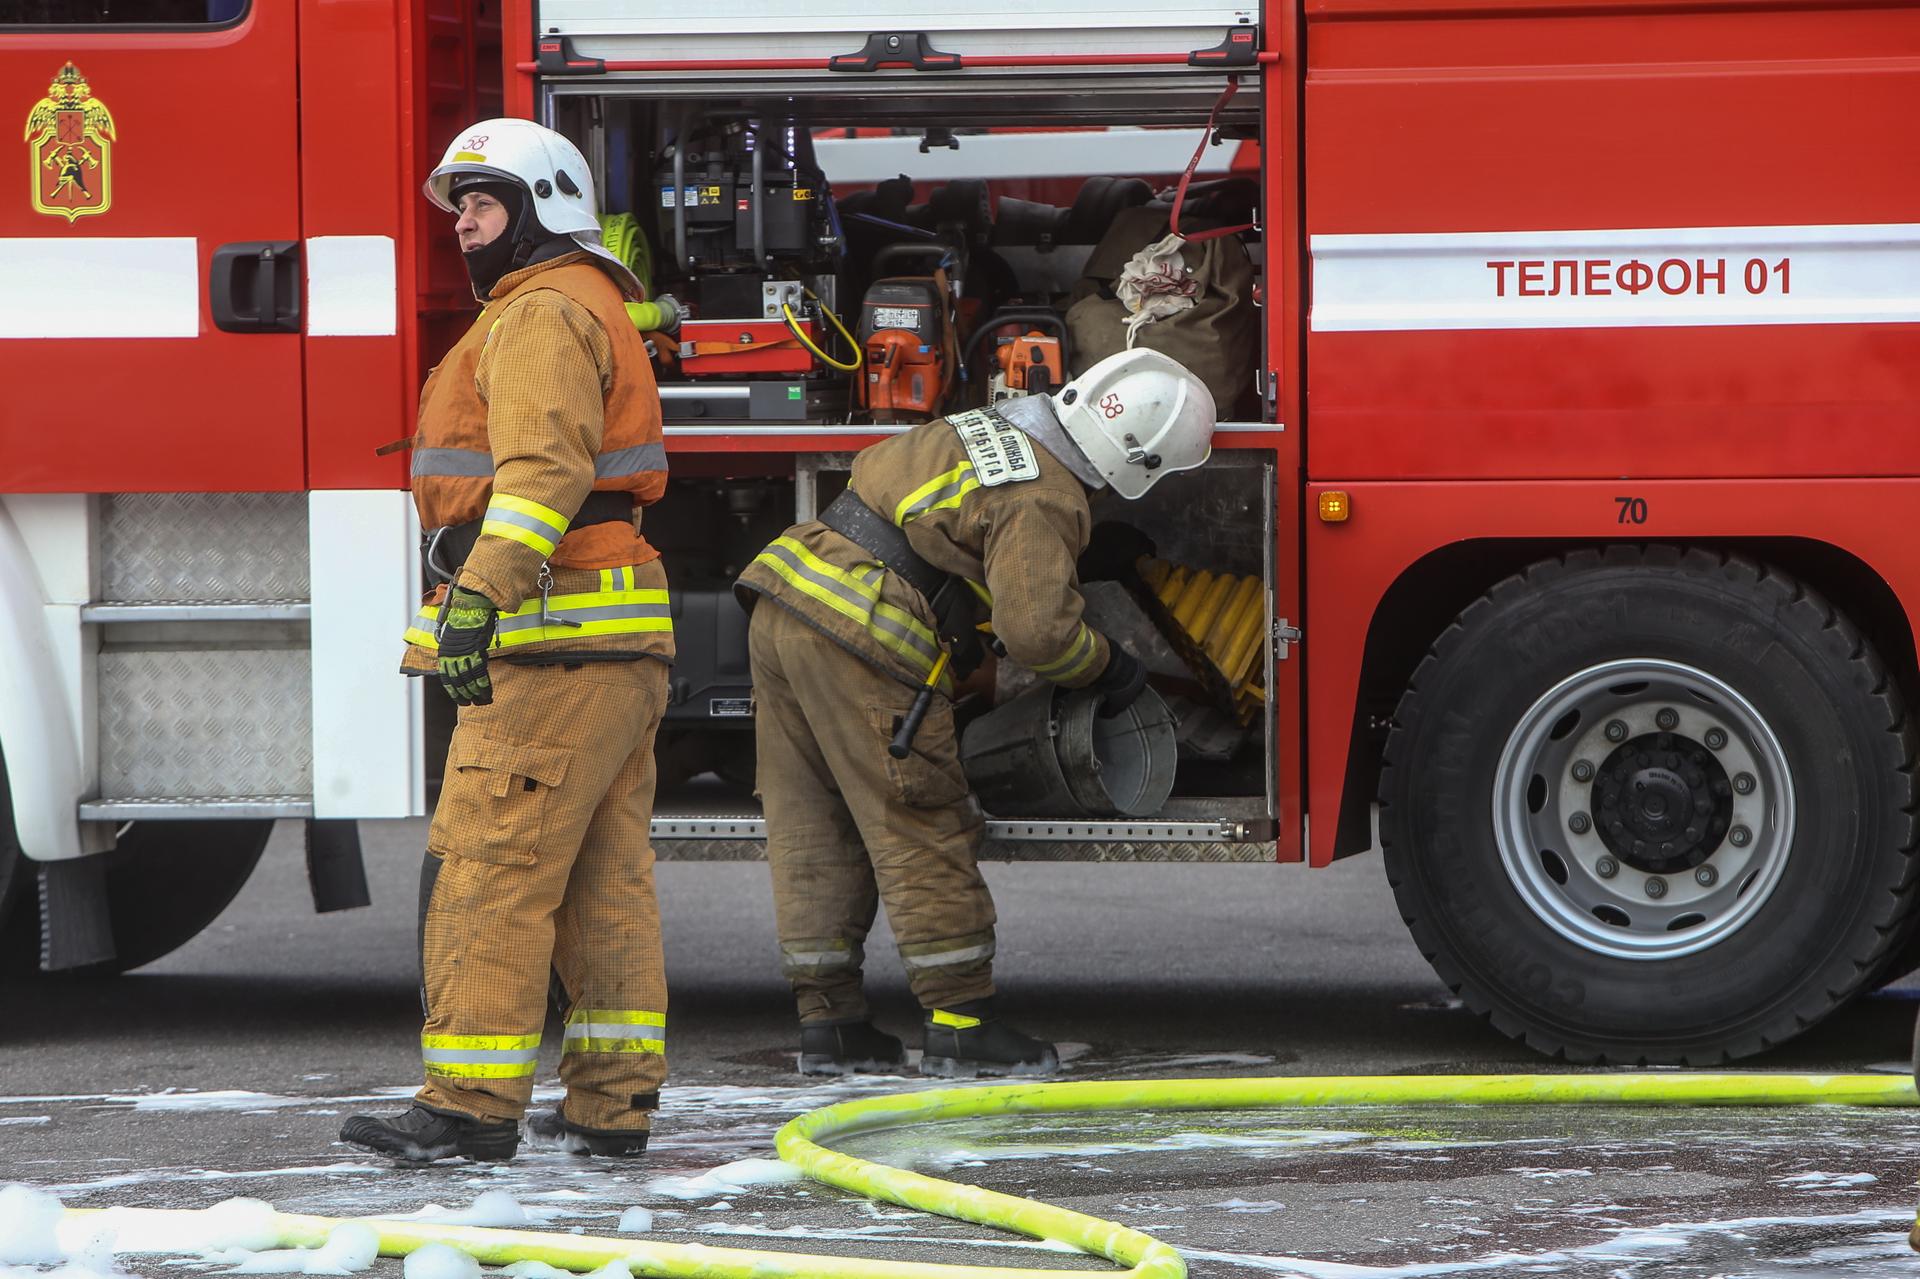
[771, 204]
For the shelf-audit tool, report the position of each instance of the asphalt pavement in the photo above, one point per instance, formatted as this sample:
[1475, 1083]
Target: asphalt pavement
[225, 1069]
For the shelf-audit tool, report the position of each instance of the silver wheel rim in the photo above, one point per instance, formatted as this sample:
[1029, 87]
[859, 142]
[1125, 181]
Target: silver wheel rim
[1589, 789]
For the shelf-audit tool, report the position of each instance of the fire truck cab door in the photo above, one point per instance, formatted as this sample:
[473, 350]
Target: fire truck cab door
[150, 279]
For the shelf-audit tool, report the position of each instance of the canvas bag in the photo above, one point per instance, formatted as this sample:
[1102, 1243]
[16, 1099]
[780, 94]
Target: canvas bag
[1217, 337]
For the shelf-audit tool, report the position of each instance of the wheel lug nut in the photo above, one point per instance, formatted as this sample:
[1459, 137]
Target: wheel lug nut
[1606, 868]
[1579, 823]
[1743, 782]
[1582, 771]
[1739, 836]
[1706, 876]
[1667, 718]
[1616, 731]
[1656, 887]
[1715, 739]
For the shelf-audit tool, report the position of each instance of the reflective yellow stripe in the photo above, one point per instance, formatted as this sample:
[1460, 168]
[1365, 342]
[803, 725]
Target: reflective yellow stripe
[937, 494]
[615, 1030]
[480, 1070]
[480, 1056]
[856, 596]
[597, 612]
[1074, 661]
[528, 523]
[943, 1018]
[616, 579]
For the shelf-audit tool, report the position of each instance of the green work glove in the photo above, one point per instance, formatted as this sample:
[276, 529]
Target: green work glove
[465, 630]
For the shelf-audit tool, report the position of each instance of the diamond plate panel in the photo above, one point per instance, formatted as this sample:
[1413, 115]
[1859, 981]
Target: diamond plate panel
[203, 546]
[209, 723]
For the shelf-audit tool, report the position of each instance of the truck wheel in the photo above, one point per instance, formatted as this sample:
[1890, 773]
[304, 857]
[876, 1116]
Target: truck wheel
[1652, 805]
[166, 881]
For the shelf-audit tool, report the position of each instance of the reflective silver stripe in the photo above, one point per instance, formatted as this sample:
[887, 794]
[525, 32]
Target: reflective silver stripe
[478, 1056]
[629, 461]
[837, 587]
[497, 514]
[900, 632]
[616, 1030]
[942, 958]
[452, 462]
[598, 613]
[1068, 663]
[820, 959]
[938, 496]
[620, 579]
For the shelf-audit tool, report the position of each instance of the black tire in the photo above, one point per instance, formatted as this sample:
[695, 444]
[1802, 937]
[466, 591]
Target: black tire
[1841, 887]
[166, 881]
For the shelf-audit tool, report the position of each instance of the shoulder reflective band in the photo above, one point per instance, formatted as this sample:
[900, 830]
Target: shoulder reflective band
[480, 1056]
[528, 523]
[937, 494]
[857, 599]
[596, 612]
[465, 463]
[630, 461]
[610, 1030]
[1074, 661]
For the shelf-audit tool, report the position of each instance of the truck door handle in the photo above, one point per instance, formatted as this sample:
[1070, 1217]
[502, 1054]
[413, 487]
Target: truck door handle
[254, 286]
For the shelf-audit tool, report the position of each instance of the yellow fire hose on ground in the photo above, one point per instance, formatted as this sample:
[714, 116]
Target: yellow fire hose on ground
[801, 1142]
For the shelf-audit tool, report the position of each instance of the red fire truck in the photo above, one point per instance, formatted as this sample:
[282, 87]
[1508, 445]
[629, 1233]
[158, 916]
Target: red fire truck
[1572, 476]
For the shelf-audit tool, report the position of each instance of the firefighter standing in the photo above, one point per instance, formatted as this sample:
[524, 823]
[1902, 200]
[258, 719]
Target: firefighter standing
[876, 599]
[539, 436]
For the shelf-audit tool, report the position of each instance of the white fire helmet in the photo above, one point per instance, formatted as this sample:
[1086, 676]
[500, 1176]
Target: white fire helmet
[558, 183]
[1138, 415]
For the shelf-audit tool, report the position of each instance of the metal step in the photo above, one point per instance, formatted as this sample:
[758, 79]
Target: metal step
[188, 808]
[197, 611]
[743, 838]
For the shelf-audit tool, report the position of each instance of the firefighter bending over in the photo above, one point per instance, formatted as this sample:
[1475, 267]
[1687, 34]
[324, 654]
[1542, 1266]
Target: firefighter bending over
[539, 437]
[983, 510]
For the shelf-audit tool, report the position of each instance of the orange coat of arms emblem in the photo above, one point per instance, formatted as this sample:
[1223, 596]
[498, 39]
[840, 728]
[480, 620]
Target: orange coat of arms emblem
[70, 141]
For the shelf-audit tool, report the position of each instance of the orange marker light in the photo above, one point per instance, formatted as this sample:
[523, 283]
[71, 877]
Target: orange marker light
[1335, 507]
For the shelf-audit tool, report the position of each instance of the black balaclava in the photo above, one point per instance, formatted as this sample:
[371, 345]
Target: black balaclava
[486, 264]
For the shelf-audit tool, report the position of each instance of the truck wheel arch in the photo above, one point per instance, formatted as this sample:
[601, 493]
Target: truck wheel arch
[1429, 593]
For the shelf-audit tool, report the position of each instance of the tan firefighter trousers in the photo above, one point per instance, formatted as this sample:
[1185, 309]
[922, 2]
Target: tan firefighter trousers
[849, 826]
[542, 829]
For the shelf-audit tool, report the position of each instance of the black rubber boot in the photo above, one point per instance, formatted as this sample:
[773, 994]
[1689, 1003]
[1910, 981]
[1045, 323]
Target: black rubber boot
[550, 1129]
[423, 1135]
[849, 1048]
[966, 1042]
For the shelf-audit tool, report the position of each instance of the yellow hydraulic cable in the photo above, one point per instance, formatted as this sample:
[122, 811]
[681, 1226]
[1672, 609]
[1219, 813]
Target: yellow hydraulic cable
[793, 326]
[1144, 1257]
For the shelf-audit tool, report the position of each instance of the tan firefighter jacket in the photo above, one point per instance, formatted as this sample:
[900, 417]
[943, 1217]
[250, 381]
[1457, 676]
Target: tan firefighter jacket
[1003, 514]
[550, 395]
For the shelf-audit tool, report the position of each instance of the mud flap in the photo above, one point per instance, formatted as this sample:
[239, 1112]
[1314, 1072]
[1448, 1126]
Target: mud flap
[336, 874]
[76, 926]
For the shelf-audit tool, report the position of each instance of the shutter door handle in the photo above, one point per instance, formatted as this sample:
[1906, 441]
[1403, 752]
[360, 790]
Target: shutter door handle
[253, 286]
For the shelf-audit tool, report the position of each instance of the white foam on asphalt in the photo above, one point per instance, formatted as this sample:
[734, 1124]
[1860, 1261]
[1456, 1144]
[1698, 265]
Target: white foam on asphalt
[636, 1221]
[728, 1179]
[495, 1208]
[26, 1120]
[438, 1261]
[29, 1226]
[1640, 1252]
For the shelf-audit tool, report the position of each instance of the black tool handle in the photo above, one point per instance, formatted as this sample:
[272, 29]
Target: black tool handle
[902, 742]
